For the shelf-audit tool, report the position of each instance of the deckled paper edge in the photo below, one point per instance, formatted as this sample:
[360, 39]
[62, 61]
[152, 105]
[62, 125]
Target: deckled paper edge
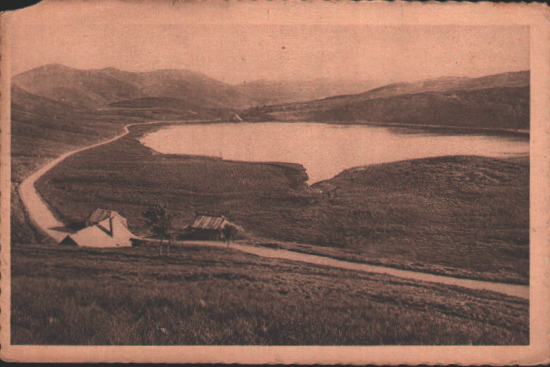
[535, 15]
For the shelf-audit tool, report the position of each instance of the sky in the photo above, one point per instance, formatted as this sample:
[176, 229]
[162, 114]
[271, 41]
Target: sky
[237, 43]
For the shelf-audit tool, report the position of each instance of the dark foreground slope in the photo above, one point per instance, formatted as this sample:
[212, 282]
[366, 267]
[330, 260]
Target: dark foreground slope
[498, 101]
[465, 216]
[215, 296]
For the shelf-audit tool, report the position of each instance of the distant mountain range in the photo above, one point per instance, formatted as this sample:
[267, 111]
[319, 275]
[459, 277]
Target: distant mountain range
[269, 92]
[94, 89]
[56, 108]
[494, 101]
[176, 89]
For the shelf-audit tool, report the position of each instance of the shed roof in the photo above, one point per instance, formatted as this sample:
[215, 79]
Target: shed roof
[209, 222]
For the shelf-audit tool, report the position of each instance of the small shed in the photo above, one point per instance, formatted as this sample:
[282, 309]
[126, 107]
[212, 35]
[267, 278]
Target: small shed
[207, 227]
[236, 118]
[104, 229]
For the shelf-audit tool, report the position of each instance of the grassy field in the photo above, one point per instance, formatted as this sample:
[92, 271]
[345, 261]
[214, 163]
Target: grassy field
[217, 296]
[43, 129]
[462, 216]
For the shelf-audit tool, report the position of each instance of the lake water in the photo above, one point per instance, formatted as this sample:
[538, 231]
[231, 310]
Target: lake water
[324, 149]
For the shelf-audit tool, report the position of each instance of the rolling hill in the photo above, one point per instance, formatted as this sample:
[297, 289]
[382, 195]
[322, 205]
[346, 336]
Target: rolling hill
[43, 128]
[98, 88]
[268, 92]
[495, 101]
[166, 106]
[79, 88]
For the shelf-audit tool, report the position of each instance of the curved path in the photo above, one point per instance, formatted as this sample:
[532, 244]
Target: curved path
[515, 290]
[45, 221]
[38, 211]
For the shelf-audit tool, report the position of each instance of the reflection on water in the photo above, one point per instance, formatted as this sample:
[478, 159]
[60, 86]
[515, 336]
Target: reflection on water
[323, 149]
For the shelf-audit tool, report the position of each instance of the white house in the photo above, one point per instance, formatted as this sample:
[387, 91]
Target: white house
[104, 229]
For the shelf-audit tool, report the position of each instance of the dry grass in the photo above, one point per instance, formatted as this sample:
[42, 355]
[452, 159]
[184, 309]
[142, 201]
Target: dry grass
[216, 296]
[465, 215]
[462, 216]
[43, 129]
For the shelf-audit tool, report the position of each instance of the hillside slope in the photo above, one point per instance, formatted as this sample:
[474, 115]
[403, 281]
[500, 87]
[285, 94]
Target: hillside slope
[93, 89]
[42, 129]
[446, 215]
[484, 108]
[495, 101]
[268, 92]
[220, 296]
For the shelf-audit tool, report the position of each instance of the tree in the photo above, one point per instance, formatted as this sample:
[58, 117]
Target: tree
[160, 222]
[229, 233]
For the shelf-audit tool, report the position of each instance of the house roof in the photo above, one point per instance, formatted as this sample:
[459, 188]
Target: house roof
[106, 233]
[209, 222]
[92, 237]
[100, 214]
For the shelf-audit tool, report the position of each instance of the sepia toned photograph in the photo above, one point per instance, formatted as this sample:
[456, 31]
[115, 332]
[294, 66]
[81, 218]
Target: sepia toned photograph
[199, 174]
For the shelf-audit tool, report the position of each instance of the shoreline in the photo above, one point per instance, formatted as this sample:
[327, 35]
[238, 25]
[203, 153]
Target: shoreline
[525, 133]
[311, 184]
[143, 128]
[522, 132]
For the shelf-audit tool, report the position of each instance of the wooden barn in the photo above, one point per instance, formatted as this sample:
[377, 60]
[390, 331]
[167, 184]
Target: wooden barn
[207, 227]
[104, 229]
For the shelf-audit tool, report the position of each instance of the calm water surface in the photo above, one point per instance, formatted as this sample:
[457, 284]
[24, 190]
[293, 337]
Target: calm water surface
[323, 149]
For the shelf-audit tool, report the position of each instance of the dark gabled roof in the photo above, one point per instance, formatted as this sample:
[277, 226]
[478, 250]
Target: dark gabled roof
[101, 214]
[209, 222]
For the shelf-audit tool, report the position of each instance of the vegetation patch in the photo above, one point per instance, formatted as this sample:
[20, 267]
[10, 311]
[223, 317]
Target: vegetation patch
[464, 215]
[212, 296]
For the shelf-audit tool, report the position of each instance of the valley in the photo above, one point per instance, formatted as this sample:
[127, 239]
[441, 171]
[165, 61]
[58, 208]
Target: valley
[408, 214]
[464, 216]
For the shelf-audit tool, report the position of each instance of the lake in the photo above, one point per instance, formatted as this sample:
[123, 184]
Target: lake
[324, 149]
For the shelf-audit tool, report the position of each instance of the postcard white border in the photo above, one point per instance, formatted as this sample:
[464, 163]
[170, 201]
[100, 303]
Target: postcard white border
[536, 16]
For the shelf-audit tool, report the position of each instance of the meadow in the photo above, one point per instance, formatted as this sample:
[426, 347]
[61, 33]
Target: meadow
[43, 129]
[197, 295]
[464, 216]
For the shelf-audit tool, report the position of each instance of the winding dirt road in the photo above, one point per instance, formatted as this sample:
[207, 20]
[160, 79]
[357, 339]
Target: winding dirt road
[514, 290]
[38, 211]
[45, 221]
